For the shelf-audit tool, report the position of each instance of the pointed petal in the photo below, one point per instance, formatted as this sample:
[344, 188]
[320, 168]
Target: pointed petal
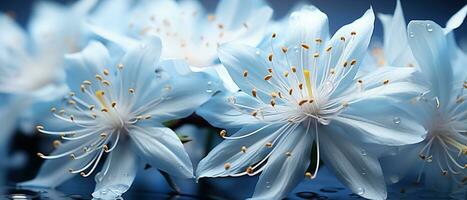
[282, 172]
[162, 149]
[229, 152]
[86, 64]
[407, 159]
[380, 121]
[220, 112]
[118, 173]
[360, 172]
[456, 20]
[429, 46]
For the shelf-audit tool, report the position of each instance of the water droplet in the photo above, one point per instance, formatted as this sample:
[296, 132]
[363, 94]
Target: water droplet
[394, 178]
[363, 152]
[396, 120]
[429, 28]
[411, 34]
[232, 100]
[158, 72]
[209, 87]
[360, 191]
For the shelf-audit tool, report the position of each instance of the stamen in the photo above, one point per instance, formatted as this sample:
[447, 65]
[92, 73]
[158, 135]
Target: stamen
[353, 33]
[131, 90]
[268, 145]
[223, 133]
[306, 73]
[106, 72]
[302, 102]
[227, 166]
[270, 57]
[245, 73]
[385, 82]
[305, 46]
[308, 175]
[100, 97]
[328, 49]
[243, 149]
[99, 77]
[253, 92]
[273, 35]
[284, 49]
[267, 77]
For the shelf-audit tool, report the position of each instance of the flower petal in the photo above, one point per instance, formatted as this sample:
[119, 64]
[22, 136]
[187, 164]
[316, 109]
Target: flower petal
[282, 172]
[188, 90]
[429, 46]
[456, 20]
[381, 121]
[220, 112]
[162, 149]
[117, 174]
[86, 64]
[360, 172]
[229, 152]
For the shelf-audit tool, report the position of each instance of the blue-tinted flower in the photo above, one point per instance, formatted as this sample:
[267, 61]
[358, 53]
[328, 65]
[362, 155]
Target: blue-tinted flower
[31, 61]
[186, 30]
[117, 108]
[303, 90]
[440, 160]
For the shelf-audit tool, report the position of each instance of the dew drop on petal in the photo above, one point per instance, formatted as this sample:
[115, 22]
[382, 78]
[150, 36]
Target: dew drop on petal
[363, 152]
[209, 87]
[394, 178]
[396, 120]
[411, 34]
[429, 28]
[360, 191]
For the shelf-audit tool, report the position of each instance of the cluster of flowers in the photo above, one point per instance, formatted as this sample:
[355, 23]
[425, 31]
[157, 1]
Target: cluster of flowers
[287, 94]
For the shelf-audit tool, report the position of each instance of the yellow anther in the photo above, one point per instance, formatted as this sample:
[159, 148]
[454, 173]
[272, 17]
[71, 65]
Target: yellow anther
[91, 107]
[294, 69]
[273, 35]
[114, 104]
[306, 73]
[286, 74]
[56, 143]
[308, 175]
[223, 133]
[316, 55]
[270, 57]
[273, 102]
[227, 166]
[104, 110]
[270, 70]
[82, 88]
[268, 145]
[353, 33]
[148, 117]
[41, 155]
[253, 92]
[305, 46]
[342, 38]
[345, 64]
[86, 82]
[53, 109]
[99, 77]
[71, 102]
[300, 86]
[254, 113]
[290, 91]
[328, 49]
[106, 82]
[318, 40]
[385, 82]
[353, 62]
[249, 170]
[105, 147]
[267, 77]
[243, 149]
[301, 102]
[311, 101]
[273, 94]
[61, 112]
[245, 73]
[100, 97]
[106, 72]
[39, 127]
[284, 49]
[131, 90]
